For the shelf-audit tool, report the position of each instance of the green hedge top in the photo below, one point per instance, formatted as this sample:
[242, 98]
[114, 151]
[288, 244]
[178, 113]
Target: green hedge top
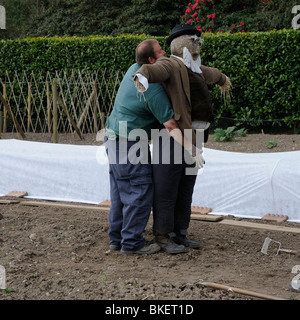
[118, 53]
[64, 53]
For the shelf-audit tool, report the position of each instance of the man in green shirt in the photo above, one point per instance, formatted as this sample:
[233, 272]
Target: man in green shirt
[127, 134]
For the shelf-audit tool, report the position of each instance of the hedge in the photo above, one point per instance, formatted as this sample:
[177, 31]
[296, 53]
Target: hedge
[264, 67]
[68, 53]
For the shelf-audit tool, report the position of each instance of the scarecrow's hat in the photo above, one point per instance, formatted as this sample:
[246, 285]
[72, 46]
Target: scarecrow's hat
[181, 29]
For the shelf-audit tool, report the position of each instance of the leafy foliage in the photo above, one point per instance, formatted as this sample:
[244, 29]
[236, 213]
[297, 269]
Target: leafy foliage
[156, 17]
[239, 16]
[228, 134]
[271, 144]
[90, 17]
[36, 18]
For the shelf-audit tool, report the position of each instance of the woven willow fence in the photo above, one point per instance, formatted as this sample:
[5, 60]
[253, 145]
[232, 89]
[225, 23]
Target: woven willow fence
[64, 102]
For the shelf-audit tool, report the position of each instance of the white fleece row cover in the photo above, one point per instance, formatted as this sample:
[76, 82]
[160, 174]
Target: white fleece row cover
[246, 185]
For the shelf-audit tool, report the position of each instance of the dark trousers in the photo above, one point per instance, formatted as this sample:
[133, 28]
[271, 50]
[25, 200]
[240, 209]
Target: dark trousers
[131, 195]
[173, 191]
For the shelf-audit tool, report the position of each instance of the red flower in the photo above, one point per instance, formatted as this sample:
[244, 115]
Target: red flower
[233, 27]
[189, 21]
[241, 23]
[213, 16]
[194, 7]
[194, 14]
[188, 10]
[243, 30]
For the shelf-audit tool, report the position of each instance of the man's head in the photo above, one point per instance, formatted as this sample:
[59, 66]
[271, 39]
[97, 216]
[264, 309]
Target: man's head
[148, 51]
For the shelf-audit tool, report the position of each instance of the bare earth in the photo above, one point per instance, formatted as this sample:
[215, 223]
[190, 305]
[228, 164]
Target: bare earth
[61, 253]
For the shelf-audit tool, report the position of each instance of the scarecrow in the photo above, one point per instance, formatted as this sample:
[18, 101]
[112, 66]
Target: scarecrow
[185, 80]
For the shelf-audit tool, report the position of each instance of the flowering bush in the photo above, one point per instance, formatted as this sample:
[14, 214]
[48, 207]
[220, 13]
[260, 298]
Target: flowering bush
[223, 16]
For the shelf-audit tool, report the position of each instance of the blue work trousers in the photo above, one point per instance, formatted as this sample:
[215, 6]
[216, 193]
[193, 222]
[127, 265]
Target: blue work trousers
[131, 193]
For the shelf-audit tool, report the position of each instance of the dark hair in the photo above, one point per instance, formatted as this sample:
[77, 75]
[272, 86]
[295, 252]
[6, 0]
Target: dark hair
[145, 50]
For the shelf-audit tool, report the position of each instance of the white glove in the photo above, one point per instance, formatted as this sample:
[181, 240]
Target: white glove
[199, 159]
[140, 82]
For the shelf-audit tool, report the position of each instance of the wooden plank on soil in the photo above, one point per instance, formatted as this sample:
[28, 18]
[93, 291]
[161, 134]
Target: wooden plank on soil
[9, 201]
[206, 217]
[17, 194]
[202, 217]
[255, 225]
[63, 205]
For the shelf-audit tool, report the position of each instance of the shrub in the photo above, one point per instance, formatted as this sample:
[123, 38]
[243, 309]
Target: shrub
[228, 134]
[238, 16]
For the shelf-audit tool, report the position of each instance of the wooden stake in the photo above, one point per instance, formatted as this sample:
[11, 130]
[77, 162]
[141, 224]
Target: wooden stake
[0, 121]
[54, 93]
[29, 107]
[95, 111]
[85, 110]
[240, 291]
[4, 110]
[69, 117]
[102, 116]
[48, 107]
[8, 109]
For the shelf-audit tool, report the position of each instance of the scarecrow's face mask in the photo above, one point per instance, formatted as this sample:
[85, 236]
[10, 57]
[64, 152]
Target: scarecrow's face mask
[191, 42]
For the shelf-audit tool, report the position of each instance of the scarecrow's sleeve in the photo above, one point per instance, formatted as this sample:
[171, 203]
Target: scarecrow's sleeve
[159, 71]
[213, 75]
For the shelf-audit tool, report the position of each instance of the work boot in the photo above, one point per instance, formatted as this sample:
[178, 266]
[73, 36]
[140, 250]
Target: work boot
[152, 248]
[115, 247]
[168, 245]
[186, 242]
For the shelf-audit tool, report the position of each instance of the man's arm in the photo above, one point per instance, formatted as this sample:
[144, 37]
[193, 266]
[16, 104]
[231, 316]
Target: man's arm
[174, 131]
[195, 153]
